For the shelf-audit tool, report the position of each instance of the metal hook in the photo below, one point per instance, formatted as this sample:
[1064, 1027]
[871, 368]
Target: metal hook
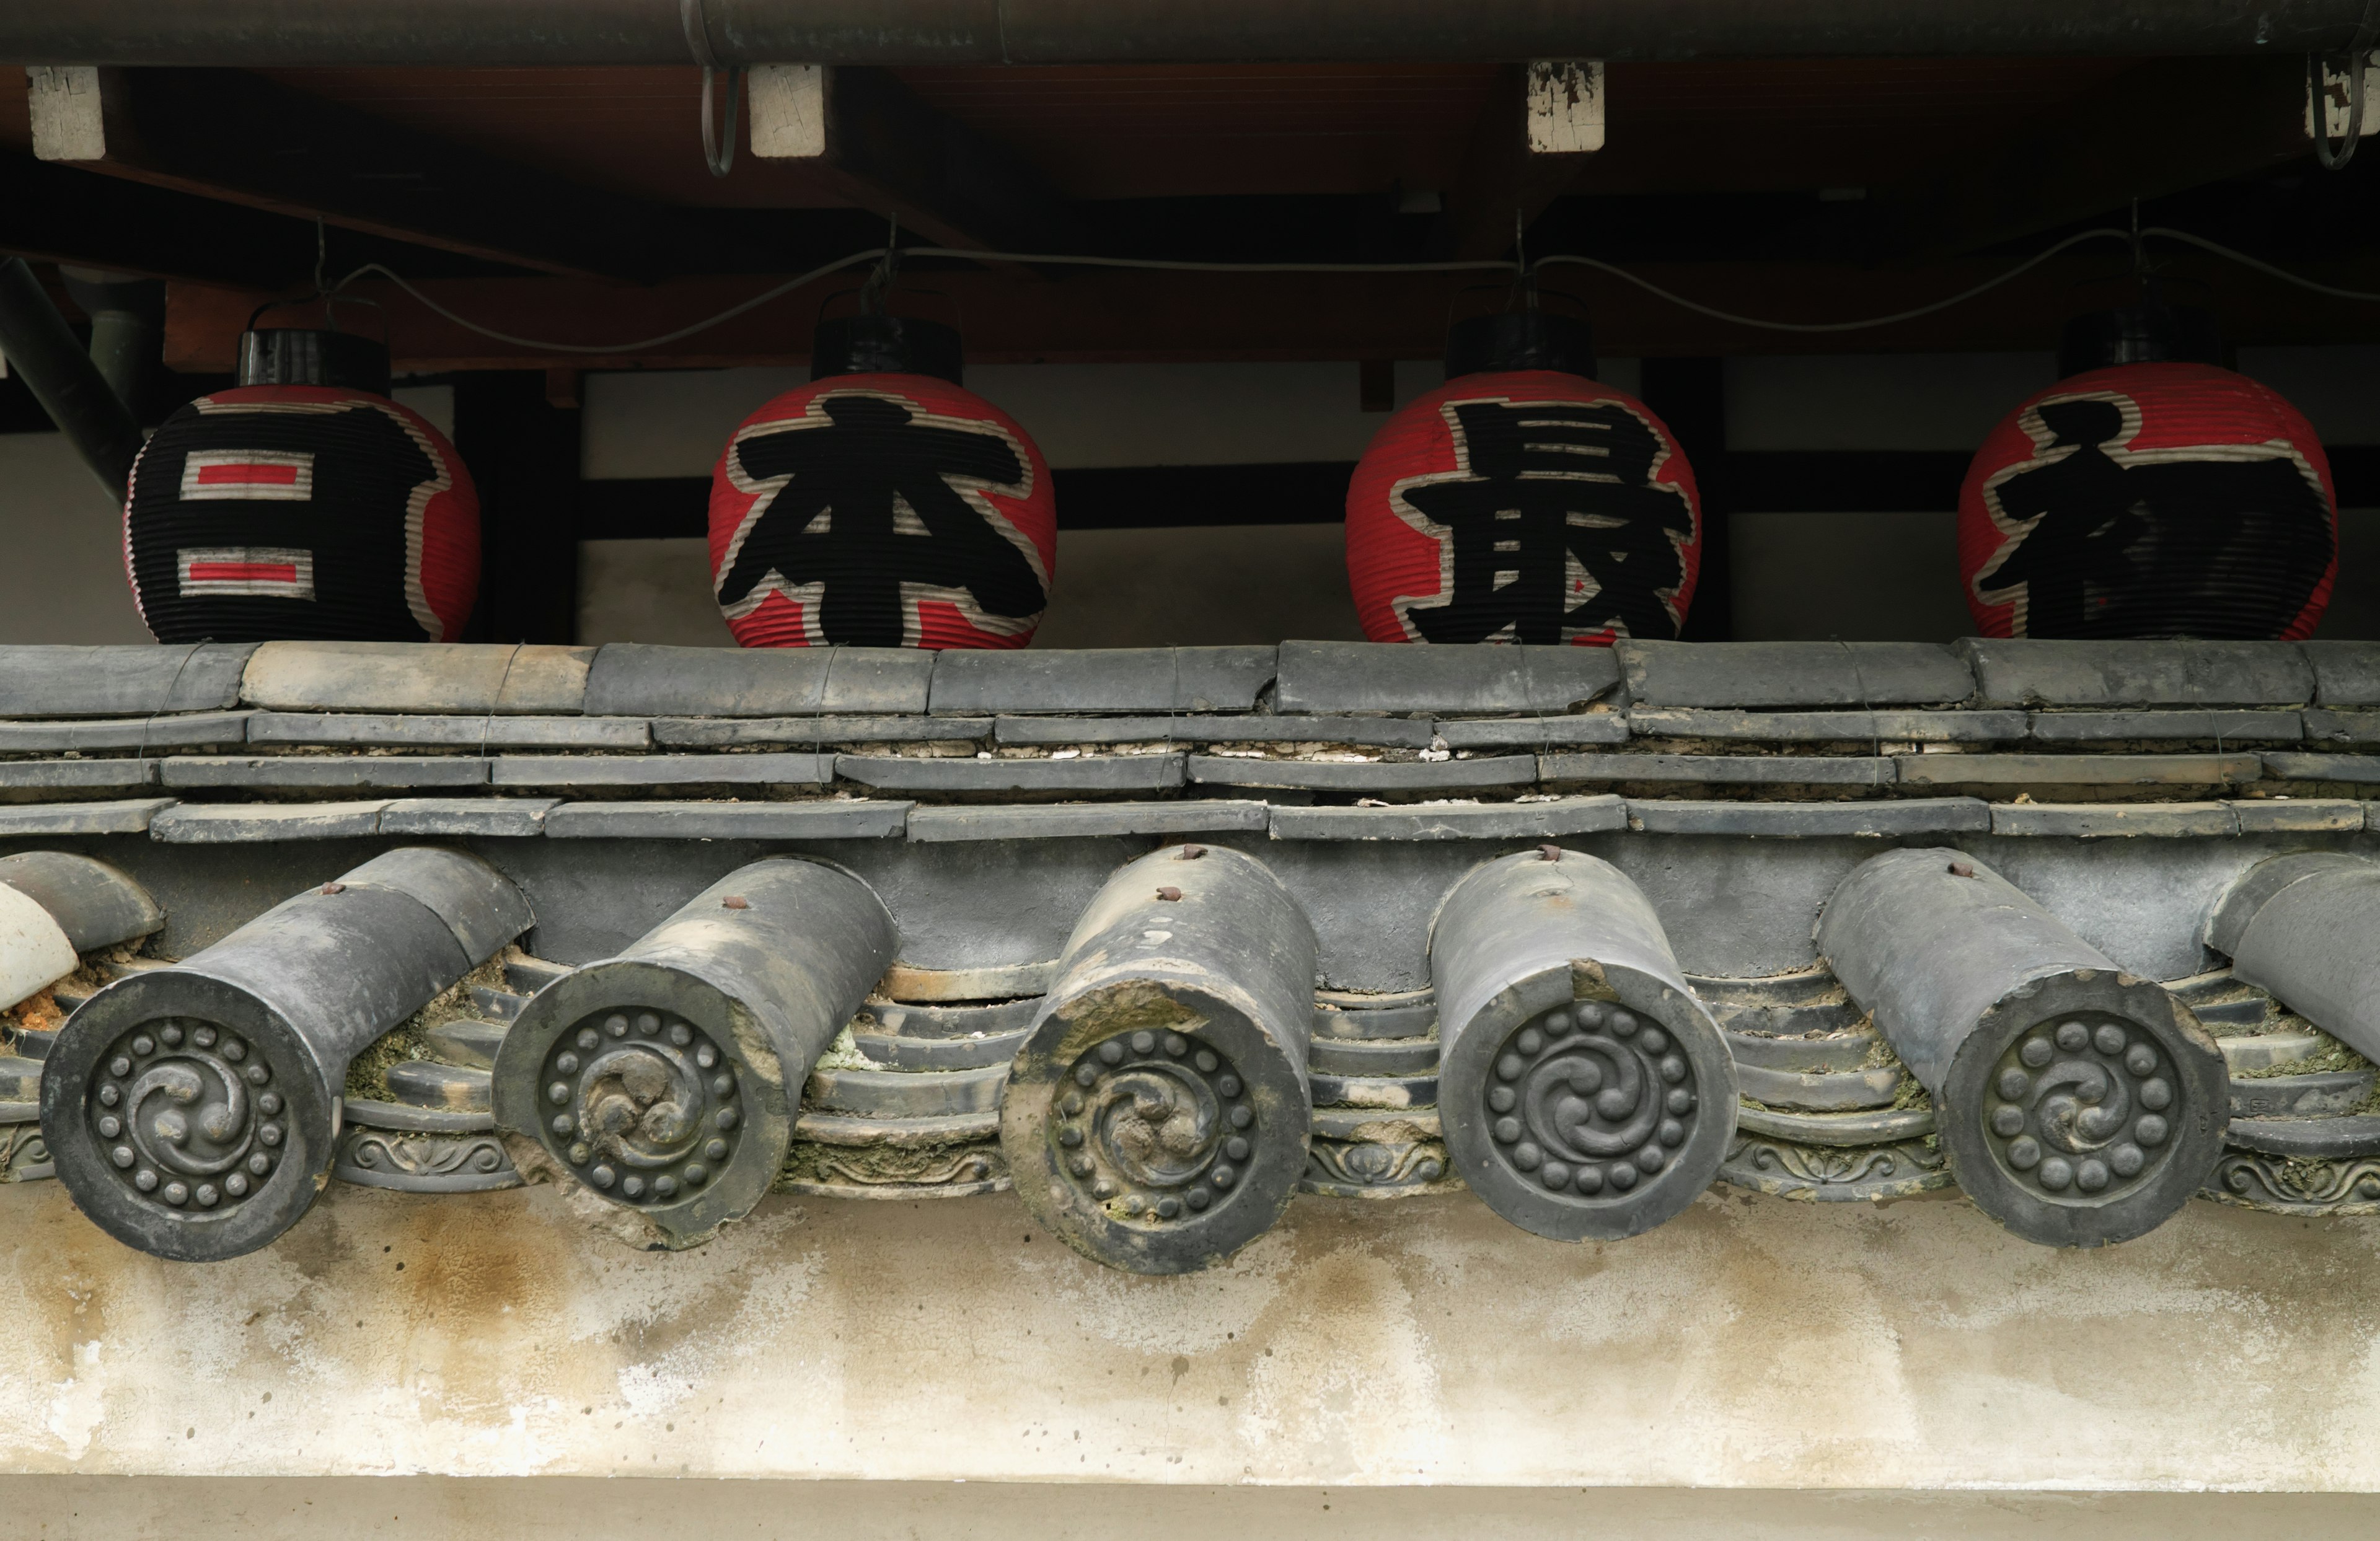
[2318, 110]
[720, 157]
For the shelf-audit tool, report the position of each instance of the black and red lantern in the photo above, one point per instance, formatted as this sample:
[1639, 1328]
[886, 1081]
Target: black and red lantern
[302, 505]
[1523, 501]
[883, 505]
[2149, 493]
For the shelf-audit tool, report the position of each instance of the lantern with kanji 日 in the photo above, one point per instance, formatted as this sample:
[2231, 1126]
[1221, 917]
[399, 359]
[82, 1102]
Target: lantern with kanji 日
[302, 504]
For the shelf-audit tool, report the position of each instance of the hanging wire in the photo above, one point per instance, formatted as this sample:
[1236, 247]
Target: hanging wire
[1519, 271]
[2267, 269]
[2104, 233]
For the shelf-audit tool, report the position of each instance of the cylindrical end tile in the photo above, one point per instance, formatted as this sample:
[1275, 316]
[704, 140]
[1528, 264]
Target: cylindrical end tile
[1585, 1093]
[187, 1116]
[1156, 1118]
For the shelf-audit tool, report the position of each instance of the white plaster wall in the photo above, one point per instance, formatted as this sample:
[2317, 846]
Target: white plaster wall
[1751, 1343]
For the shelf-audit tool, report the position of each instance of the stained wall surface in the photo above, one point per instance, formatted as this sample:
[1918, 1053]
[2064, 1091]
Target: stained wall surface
[1752, 1343]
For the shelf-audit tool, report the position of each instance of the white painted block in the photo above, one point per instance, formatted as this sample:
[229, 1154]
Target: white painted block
[1565, 106]
[67, 122]
[788, 104]
[2335, 99]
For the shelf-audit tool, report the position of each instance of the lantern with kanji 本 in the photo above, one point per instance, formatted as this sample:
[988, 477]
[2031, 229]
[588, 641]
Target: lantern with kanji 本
[313, 510]
[2149, 494]
[882, 505]
[1523, 501]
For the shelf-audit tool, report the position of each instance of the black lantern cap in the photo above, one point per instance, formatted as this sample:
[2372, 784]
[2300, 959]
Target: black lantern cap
[1519, 340]
[886, 344]
[308, 356]
[2148, 333]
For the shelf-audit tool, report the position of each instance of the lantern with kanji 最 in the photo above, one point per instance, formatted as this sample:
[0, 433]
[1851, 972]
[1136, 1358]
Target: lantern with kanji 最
[882, 505]
[2149, 493]
[1523, 501]
[302, 505]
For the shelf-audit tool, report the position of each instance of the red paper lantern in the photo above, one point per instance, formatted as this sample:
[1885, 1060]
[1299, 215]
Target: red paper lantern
[1522, 506]
[882, 508]
[2159, 499]
[301, 512]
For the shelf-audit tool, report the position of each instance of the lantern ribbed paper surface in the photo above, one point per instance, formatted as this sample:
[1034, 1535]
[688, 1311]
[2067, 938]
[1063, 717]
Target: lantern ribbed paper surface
[2150, 500]
[1534, 506]
[882, 510]
[301, 512]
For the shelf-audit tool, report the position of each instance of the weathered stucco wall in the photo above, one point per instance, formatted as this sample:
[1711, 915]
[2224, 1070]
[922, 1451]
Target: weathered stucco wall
[1751, 1343]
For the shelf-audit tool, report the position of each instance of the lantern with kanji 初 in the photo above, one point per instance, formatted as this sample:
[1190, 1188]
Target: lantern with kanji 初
[302, 504]
[2149, 493]
[882, 505]
[1523, 501]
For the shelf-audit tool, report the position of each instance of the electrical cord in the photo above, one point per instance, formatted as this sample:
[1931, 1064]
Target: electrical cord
[1494, 265]
[1959, 299]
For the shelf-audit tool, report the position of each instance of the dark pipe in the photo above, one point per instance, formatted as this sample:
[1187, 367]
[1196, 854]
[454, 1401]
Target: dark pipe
[1158, 1117]
[128, 328]
[279, 32]
[41, 349]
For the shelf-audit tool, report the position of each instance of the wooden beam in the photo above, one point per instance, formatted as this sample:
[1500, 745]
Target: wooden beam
[243, 138]
[1110, 315]
[53, 213]
[1529, 147]
[2160, 127]
[877, 144]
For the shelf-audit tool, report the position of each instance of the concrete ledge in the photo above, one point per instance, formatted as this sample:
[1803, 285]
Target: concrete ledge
[1760, 1344]
[1046, 820]
[828, 819]
[1547, 821]
[568, 1508]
